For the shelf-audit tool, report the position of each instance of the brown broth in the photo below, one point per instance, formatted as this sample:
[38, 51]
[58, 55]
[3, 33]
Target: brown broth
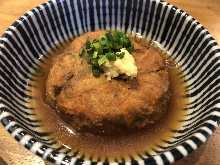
[100, 147]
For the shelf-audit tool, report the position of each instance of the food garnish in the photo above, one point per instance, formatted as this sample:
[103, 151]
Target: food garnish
[111, 55]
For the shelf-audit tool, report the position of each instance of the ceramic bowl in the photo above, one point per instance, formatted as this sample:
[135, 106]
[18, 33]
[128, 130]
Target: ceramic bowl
[26, 43]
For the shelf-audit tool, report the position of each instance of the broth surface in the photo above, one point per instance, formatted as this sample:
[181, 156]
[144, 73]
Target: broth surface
[100, 147]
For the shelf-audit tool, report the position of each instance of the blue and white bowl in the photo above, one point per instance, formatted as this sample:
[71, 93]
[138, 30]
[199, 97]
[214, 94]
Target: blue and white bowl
[28, 40]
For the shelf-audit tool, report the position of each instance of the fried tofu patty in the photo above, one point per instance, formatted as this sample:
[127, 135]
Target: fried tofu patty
[97, 105]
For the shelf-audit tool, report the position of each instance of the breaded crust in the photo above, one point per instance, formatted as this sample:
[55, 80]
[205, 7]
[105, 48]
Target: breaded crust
[101, 106]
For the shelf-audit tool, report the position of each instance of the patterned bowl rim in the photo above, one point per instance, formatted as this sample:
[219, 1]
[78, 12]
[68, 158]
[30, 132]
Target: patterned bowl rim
[180, 151]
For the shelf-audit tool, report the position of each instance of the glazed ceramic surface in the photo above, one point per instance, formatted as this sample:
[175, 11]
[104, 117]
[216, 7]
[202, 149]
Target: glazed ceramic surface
[26, 43]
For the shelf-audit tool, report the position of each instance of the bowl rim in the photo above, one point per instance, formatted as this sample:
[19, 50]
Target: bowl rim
[170, 157]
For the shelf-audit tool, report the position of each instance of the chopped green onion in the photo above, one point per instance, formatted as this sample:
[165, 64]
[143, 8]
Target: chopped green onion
[96, 71]
[110, 56]
[120, 54]
[107, 48]
[102, 60]
[95, 55]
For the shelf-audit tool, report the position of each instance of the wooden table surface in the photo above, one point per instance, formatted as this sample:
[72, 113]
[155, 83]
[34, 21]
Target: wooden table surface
[206, 11]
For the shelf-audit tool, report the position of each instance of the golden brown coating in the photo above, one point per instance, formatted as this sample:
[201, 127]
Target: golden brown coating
[101, 106]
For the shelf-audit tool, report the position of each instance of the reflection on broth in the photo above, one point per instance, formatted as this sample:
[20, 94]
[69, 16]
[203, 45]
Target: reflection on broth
[114, 145]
